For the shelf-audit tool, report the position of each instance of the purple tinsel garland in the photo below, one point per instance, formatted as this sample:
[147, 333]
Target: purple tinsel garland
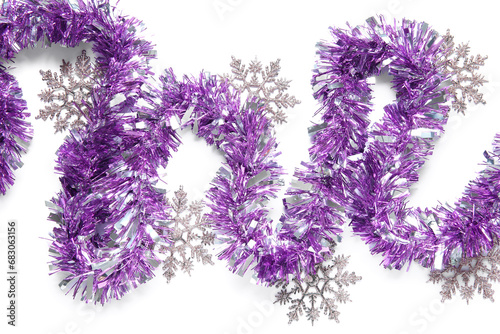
[373, 168]
[111, 219]
[246, 182]
[15, 132]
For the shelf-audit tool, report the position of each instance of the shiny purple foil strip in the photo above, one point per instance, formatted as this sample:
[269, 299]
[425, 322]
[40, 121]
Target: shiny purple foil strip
[111, 220]
[373, 168]
[248, 180]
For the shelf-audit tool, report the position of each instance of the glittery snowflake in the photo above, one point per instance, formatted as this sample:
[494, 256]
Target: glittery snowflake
[320, 292]
[189, 235]
[465, 81]
[68, 93]
[469, 276]
[264, 84]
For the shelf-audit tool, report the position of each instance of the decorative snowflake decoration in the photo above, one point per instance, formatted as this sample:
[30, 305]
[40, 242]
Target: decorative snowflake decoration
[68, 93]
[319, 292]
[470, 275]
[189, 235]
[264, 84]
[465, 81]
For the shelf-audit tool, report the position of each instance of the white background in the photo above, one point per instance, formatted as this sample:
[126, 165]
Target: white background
[197, 35]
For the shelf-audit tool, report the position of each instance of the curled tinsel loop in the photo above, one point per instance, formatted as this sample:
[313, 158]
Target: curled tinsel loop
[248, 180]
[110, 217]
[375, 165]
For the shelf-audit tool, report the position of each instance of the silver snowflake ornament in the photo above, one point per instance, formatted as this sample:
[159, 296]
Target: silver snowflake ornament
[318, 293]
[68, 95]
[470, 275]
[189, 236]
[462, 69]
[263, 83]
